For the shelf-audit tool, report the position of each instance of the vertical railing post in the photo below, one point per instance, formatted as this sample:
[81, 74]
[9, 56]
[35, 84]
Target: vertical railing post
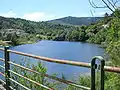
[7, 67]
[102, 73]
[93, 67]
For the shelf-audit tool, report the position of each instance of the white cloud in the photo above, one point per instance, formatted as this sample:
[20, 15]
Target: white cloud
[9, 14]
[100, 14]
[34, 16]
[38, 16]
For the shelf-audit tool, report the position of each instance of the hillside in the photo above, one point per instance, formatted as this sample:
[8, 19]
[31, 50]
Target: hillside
[29, 26]
[15, 29]
[21, 31]
[76, 20]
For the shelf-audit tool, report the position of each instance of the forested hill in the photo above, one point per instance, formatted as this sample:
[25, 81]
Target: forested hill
[62, 23]
[76, 20]
[30, 26]
[21, 31]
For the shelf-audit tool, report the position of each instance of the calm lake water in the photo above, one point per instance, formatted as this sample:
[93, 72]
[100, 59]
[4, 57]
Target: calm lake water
[74, 51]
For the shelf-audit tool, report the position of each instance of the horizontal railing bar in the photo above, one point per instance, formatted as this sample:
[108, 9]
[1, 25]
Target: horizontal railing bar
[31, 80]
[51, 77]
[1, 59]
[2, 66]
[112, 69]
[74, 63]
[19, 84]
[2, 74]
[106, 68]
[12, 88]
[2, 81]
[82, 87]
[88, 65]
[2, 49]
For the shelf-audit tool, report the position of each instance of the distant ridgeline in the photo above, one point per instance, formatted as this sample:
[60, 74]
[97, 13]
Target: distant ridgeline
[76, 20]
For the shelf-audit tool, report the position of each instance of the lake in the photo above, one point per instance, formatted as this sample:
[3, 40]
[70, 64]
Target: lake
[74, 51]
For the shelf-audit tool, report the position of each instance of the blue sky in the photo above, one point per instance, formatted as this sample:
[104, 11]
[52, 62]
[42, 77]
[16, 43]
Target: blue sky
[42, 10]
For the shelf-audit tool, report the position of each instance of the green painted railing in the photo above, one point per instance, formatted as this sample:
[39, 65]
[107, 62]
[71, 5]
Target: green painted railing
[93, 66]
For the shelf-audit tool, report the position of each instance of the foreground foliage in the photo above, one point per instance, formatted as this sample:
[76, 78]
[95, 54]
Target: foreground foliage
[39, 78]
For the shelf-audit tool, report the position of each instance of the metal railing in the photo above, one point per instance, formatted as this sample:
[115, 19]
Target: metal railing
[91, 65]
